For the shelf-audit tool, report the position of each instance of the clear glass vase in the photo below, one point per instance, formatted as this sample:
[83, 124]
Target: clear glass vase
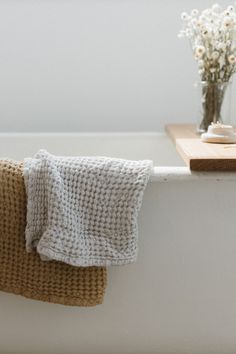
[215, 104]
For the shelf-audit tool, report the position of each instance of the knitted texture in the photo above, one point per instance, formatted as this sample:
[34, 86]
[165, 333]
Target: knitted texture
[83, 210]
[24, 273]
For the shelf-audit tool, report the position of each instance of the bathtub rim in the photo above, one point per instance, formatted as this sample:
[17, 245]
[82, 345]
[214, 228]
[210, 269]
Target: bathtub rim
[160, 174]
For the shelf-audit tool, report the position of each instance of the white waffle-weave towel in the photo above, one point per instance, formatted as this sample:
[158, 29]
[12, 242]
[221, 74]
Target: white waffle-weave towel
[83, 210]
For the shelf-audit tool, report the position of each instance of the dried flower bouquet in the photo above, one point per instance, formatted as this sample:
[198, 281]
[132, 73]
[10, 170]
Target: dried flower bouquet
[212, 34]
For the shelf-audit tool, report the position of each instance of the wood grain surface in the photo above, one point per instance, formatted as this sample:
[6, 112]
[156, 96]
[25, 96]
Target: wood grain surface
[200, 156]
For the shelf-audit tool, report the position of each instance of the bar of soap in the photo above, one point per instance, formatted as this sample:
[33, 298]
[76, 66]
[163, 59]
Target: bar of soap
[219, 133]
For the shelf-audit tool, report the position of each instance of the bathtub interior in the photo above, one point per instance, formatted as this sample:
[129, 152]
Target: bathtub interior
[153, 146]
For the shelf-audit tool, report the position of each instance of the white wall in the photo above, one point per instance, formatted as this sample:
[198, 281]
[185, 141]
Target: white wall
[88, 65]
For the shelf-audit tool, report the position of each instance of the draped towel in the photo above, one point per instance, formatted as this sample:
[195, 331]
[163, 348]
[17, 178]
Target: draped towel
[83, 210]
[24, 273]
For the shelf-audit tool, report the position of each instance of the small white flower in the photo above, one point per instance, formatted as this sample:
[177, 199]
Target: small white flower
[200, 72]
[200, 51]
[181, 34]
[227, 22]
[194, 12]
[202, 18]
[200, 64]
[227, 13]
[212, 70]
[205, 32]
[199, 24]
[184, 16]
[230, 8]
[216, 8]
[220, 46]
[232, 59]
[188, 33]
[206, 12]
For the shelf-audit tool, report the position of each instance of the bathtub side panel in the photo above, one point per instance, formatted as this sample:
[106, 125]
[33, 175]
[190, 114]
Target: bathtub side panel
[180, 297]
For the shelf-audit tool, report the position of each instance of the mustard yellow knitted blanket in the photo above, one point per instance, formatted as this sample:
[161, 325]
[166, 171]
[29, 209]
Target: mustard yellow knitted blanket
[24, 273]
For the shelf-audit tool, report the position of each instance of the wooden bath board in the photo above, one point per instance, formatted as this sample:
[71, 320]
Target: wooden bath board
[201, 156]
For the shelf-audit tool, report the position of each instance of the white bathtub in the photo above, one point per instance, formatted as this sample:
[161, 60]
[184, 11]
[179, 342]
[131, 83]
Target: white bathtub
[180, 297]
